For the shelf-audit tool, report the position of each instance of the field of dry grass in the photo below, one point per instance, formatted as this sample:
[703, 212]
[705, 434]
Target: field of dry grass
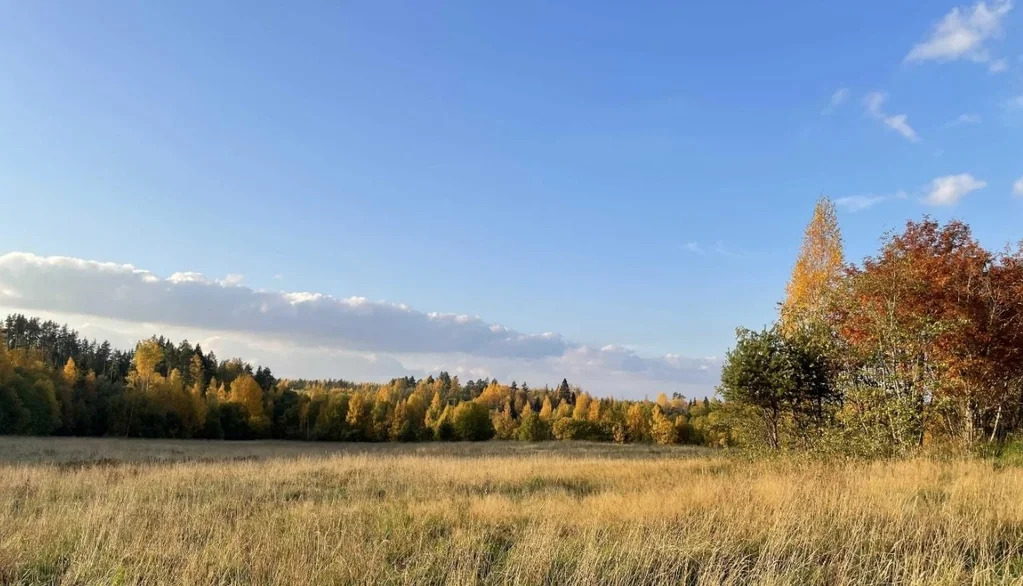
[77, 511]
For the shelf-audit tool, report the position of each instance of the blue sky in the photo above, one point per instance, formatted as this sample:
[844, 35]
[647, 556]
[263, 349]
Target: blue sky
[636, 176]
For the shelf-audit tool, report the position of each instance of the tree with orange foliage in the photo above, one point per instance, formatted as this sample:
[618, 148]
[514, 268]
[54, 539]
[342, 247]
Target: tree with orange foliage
[932, 327]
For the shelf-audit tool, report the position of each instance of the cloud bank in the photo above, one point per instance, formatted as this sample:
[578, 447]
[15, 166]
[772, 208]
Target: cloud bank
[280, 324]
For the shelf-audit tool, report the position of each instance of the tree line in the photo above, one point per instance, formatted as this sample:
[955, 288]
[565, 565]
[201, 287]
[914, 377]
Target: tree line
[54, 381]
[918, 345]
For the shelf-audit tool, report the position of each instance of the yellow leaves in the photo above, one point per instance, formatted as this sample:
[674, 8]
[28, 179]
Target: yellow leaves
[595, 411]
[247, 392]
[636, 423]
[546, 410]
[494, 395]
[148, 355]
[70, 372]
[818, 267]
[582, 407]
[662, 428]
[195, 371]
[358, 411]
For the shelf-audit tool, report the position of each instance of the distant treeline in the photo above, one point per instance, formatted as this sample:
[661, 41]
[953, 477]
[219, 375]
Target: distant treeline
[54, 381]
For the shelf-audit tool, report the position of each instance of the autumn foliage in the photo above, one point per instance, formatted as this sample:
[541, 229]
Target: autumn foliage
[818, 269]
[919, 344]
[54, 382]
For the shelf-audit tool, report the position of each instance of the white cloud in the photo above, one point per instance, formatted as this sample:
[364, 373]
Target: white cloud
[998, 66]
[963, 33]
[694, 247]
[874, 102]
[964, 119]
[719, 248]
[1017, 187]
[899, 124]
[1015, 103]
[949, 189]
[857, 203]
[313, 334]
[838, 98]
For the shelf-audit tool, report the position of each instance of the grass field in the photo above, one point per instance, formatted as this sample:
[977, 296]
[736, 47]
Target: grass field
[106, 511]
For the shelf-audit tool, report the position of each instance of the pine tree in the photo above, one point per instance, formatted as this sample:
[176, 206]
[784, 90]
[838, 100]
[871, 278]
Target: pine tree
[565, 392]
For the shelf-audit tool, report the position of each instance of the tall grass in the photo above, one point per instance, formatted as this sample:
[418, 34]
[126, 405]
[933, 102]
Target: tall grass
[123, 512]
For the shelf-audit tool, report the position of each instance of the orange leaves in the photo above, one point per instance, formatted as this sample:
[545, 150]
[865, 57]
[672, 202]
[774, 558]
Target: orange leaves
[943, 316]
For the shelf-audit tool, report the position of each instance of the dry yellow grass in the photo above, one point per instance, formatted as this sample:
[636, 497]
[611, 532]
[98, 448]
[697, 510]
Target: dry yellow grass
[164, 512]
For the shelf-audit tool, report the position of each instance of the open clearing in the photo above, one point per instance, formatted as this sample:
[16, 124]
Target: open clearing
[108, 511]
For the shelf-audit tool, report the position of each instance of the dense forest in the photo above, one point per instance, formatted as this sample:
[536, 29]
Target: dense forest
[919, 345]
[53, 381]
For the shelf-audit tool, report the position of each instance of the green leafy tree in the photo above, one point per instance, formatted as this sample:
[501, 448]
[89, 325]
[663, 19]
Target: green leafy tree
[471, 422]
[533, 428]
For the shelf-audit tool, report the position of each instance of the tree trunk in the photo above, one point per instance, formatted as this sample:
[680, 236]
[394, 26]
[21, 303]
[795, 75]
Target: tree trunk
[994, 428]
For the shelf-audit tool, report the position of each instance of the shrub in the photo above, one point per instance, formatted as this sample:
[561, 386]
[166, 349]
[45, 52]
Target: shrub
[471, 422]
[534, 429]
[578, 429]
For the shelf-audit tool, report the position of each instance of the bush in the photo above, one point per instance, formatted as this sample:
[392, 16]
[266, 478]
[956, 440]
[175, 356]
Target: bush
[534, 429]
[471, 422]
[578, 429]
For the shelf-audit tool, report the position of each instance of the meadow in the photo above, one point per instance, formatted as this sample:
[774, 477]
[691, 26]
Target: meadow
[110, 511]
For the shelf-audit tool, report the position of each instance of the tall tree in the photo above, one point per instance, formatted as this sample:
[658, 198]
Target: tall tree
[246, 392]
[818, 269]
